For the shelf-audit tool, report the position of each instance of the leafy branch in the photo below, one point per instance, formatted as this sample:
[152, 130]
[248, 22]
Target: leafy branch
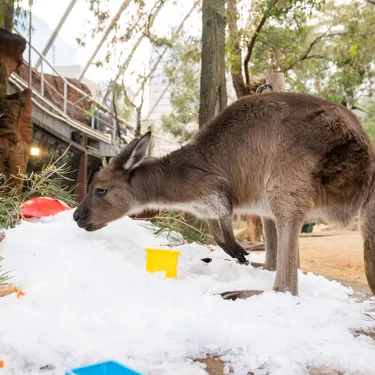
[306, 55]
[179, 228]
[251, 44]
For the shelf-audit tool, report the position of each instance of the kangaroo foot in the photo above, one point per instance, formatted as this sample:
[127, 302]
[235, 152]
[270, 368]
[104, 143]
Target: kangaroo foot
[239, 254]
[247, 263]
[257, 265]
[239, 251]
[263, 265]
[240, 294]
[236, 252]
[241, 259]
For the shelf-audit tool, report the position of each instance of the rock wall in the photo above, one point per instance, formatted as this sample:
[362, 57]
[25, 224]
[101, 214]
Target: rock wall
[16, 127]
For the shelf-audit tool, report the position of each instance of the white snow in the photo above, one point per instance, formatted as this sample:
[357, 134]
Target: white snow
[88, 298]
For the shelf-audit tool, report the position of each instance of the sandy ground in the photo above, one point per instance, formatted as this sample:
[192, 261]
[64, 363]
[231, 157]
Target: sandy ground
[336, 254]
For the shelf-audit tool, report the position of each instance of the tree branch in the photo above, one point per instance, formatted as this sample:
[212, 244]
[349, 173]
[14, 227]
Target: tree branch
[118, 129]
[306, 55]
[251, 43]
[124, 66]
[250, 47]
[126, 95]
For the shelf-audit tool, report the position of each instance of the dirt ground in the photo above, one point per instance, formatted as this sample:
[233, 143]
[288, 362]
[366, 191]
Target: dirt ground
[334, 253]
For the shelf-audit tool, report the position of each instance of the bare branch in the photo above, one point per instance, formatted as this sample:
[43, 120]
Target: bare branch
[178, 30]
[151, 15]
[306, 55]
[126, 63]
[251, 43]
[126, 95]
[250, 47]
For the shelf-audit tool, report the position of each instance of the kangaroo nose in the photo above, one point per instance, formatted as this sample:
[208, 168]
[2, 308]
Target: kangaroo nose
[76, 215]
[81, 214]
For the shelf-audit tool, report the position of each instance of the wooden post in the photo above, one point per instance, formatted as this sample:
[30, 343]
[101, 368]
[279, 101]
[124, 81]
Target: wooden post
[81, 181]
[276, 80]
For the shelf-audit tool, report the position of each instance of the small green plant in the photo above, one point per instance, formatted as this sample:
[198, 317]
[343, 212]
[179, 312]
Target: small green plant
[179, 228]
[4, 276]
[47, 183]
[9, 203]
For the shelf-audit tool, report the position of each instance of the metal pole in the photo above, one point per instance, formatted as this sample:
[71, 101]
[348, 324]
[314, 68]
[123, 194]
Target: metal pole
[157, 101]
[113, 22]
[30, 29]
[42, 78]
[56, 32]
[114, 125]
[65, 96]
[92, 117]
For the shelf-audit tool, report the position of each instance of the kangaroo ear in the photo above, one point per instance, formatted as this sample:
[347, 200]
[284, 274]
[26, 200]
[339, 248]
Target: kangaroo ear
[133, 153]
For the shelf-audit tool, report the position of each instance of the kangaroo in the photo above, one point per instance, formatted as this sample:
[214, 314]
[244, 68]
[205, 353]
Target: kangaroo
[286, 157]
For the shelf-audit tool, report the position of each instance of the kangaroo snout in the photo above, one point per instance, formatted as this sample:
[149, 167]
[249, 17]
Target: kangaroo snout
[81, 217]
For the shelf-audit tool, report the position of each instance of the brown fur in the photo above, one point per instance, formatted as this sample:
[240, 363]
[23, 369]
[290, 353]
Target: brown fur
[304, 156]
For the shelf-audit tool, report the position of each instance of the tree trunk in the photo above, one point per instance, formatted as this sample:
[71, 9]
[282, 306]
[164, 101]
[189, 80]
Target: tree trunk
[235, 55]
[276, 80]
[6, 14]
[213, 92]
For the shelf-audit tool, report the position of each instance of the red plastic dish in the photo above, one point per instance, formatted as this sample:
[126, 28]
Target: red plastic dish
[37, 208]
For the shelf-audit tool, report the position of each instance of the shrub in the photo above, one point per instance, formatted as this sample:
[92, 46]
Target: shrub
[48, 183]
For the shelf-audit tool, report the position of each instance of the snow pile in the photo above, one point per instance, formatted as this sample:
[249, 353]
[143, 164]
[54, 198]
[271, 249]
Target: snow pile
[88, 298]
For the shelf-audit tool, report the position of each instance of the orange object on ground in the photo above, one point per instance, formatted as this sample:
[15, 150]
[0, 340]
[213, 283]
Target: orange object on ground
[5, 290]
[1, 364]
[20, 294]
[36, 208]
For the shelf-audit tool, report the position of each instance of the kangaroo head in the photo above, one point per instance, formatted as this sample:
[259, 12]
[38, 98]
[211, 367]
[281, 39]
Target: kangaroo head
[110, 195]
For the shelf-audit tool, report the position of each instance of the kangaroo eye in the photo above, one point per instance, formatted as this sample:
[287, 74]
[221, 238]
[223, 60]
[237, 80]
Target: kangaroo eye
[100, 192]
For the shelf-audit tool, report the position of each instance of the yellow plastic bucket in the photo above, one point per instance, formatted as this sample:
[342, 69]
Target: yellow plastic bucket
[158, 260]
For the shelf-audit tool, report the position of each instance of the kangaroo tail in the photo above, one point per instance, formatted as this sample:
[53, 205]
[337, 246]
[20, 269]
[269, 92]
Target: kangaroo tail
[367, 226]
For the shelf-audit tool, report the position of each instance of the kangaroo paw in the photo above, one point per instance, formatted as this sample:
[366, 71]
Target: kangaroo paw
[240, 294]
[239, 253]
[242, 260]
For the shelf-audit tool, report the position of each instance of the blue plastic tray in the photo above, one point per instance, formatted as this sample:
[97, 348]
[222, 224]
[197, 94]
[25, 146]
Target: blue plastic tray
[103, 368]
